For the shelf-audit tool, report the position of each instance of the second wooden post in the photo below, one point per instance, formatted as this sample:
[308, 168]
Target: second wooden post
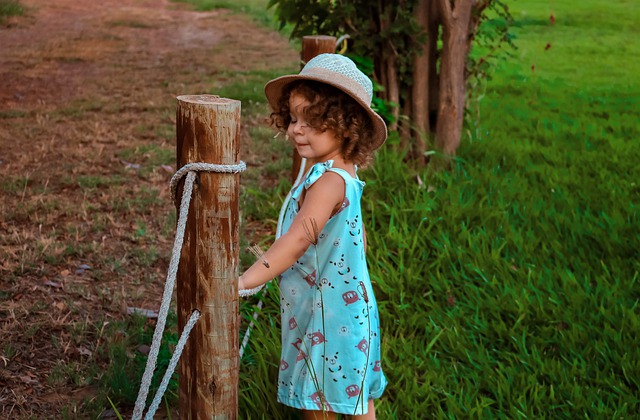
[208, 130]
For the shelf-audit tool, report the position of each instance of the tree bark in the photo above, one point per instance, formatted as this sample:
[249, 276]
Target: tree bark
[392, 86]
[420, 87]
[455, 19]
[432, 54]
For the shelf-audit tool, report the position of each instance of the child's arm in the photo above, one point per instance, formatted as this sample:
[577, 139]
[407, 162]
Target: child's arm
[320, 201]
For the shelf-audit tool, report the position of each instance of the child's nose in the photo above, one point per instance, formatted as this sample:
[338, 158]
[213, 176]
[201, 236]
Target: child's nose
[297, 127]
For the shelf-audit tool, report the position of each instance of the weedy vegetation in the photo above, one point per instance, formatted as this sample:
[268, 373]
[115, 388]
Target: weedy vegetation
[10, 8]
[509, 286]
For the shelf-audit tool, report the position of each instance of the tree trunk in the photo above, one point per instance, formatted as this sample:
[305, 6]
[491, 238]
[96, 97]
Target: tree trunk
[420, 88]
[392, 87]
[432, 54]
[404, 126]
[455, 19]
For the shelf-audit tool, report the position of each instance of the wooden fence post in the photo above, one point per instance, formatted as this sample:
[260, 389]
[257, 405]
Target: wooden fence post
[208, 130]
[312, 45]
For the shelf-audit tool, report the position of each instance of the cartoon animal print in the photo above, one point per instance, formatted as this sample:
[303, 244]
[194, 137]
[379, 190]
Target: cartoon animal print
[335, 368]
[344, 330]
[311, 278]
[353, 390]
[289, 387]
[321, 401]
[344, 205]
[297, 343]
[283, 365]
[316, 338]
[292, 393]
[333, 360]
[292, 323]
[342, 268]
[355, 278]
[363, 346]
[376, 367]
[325, 282]
[361, 318]
[339, 264]
[350, 297]
[363, 290]
[354, 230]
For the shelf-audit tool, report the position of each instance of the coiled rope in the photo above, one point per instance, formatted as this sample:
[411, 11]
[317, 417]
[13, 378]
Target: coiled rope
[190, 171]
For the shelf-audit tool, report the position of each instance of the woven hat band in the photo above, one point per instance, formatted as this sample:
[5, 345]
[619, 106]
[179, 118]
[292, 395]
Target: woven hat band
[340, 80]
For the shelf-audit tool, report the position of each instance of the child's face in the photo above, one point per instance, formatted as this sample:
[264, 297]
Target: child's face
[311, 144]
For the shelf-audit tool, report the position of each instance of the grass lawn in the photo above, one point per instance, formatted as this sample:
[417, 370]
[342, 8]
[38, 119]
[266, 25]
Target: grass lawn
[511, 288]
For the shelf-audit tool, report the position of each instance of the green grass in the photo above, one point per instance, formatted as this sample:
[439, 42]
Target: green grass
[510, 288]
[247, 87]
[10, 8]
[256, 9]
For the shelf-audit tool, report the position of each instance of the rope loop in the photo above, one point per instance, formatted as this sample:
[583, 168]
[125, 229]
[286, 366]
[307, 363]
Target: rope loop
[203, 167]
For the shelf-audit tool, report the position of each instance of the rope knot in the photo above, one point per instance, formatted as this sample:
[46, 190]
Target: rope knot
[203, 167]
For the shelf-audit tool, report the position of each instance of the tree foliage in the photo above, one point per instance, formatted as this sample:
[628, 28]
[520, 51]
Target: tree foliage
[420, 51]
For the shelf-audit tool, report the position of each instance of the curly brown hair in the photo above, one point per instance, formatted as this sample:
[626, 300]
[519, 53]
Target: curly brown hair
[330, 109]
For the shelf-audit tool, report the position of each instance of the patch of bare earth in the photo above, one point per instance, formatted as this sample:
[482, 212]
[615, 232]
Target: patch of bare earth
[87, 108]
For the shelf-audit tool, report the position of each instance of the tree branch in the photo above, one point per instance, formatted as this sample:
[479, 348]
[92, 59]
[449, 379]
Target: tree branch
[445, 11]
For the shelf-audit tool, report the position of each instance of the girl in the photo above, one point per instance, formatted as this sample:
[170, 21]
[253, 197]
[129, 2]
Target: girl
[330, 327]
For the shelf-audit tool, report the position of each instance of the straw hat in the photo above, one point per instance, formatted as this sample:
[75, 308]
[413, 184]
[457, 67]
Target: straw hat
[338, 71]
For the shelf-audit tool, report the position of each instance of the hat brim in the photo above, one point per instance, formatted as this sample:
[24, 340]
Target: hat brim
[274, 88]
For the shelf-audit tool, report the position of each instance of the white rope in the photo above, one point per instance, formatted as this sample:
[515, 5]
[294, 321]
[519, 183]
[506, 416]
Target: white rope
[189, 170]
[203, 167]
[195, 316]
[245, 340]
[250, 292]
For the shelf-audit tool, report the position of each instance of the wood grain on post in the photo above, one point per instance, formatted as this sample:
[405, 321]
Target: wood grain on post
[208, 130]
[312, 45]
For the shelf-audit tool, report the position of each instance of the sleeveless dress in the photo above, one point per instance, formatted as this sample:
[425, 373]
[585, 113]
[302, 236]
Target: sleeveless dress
[330, 324]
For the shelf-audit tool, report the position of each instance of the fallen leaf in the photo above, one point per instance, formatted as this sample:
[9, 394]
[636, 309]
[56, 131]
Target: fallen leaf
[149, 313]
[84, 351]
[27, 379]
[47, 282]
[130, 165]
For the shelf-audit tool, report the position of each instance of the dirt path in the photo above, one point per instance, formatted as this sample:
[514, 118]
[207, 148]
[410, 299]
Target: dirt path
[87, 103]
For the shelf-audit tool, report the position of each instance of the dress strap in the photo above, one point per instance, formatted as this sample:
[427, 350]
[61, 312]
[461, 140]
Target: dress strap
[312, 176]
[317, 171]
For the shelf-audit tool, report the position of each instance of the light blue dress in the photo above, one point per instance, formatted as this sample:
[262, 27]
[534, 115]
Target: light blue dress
[330, 324]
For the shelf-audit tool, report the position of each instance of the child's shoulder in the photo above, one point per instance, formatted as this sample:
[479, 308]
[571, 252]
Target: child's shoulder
[341, 173]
